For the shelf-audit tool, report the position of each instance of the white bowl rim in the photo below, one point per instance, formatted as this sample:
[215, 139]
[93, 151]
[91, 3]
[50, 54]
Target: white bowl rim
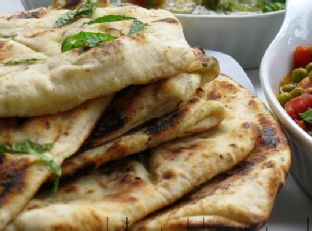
[231, 16]
[271, 97]
[187, 15]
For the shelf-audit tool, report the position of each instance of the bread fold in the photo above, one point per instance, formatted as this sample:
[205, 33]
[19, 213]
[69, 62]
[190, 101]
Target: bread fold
[243, 198]
[118, 195]
[66, 80]
[22, 175]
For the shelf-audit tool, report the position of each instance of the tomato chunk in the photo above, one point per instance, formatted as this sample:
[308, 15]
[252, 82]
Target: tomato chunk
[305, 83]
[298, 105]
[301, 124]
[303, 56]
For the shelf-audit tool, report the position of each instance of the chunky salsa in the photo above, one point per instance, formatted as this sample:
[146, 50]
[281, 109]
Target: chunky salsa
[296, 89]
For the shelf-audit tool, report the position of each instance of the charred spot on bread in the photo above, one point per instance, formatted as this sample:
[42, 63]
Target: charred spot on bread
[269, 137]
[13, 176]
[168, 20]
[39, 13]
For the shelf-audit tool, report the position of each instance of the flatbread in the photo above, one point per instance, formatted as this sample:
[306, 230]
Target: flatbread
[60, 82]
[136, 105]
[119, 195]
[241, 199]
[194, 117]
[21, 175]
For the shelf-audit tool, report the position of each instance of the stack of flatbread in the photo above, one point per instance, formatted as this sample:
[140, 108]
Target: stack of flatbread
[145, 132]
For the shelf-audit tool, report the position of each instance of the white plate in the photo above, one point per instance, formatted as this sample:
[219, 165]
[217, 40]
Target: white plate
[231, 68]
[292, 206]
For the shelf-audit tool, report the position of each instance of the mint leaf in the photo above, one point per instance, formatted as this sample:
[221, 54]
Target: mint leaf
[47, 160]
[28, 147]
[85, 10]
[136, 27]
[85, 40]
[110, 18]
[307, 116]
[21, 61]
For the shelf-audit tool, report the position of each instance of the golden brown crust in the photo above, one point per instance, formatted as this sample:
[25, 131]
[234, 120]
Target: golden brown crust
[22, 175]
[241, 199]
[68, 79]
[136, 105]
[179, 123]
[145, 183]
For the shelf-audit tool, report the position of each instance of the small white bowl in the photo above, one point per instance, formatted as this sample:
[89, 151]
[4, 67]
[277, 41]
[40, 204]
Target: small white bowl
[276, 63]
[31, 4]
[244, 37]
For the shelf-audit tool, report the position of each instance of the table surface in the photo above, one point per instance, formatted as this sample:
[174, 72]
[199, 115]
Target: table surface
[292, 206]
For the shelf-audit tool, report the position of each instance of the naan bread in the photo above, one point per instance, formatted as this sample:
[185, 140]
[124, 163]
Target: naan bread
[136, 105]
[60, 82]
[22, 175]
[196, 116]
[117, 196]
[241, 199]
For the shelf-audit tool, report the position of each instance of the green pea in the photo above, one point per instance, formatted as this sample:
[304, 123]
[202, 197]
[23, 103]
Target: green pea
[296, 92]
[288, 87]
[309, 67]
[310, 75]
[284, 98]
[298, 74]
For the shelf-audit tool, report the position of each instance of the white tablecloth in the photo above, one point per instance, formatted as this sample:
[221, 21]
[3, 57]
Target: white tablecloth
[292, 206]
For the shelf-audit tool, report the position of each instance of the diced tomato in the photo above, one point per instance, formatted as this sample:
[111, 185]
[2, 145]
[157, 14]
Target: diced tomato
[303, 56]
[298, 105]
[305, 83]
[301, 124]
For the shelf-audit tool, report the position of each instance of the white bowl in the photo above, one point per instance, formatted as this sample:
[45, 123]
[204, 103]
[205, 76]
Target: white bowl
[244, 37]
[276, 63]
[31, 4]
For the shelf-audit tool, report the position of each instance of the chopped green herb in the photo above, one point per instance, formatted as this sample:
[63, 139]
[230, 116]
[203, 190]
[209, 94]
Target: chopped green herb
[21, 61]
[307, 116]
[47, 160]
[136, 27]
[261, 3]
[85, 40]
[11, 36]
[273, 5]
[243, 6]
[110, 18]
[85, 10]
[28, 147]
